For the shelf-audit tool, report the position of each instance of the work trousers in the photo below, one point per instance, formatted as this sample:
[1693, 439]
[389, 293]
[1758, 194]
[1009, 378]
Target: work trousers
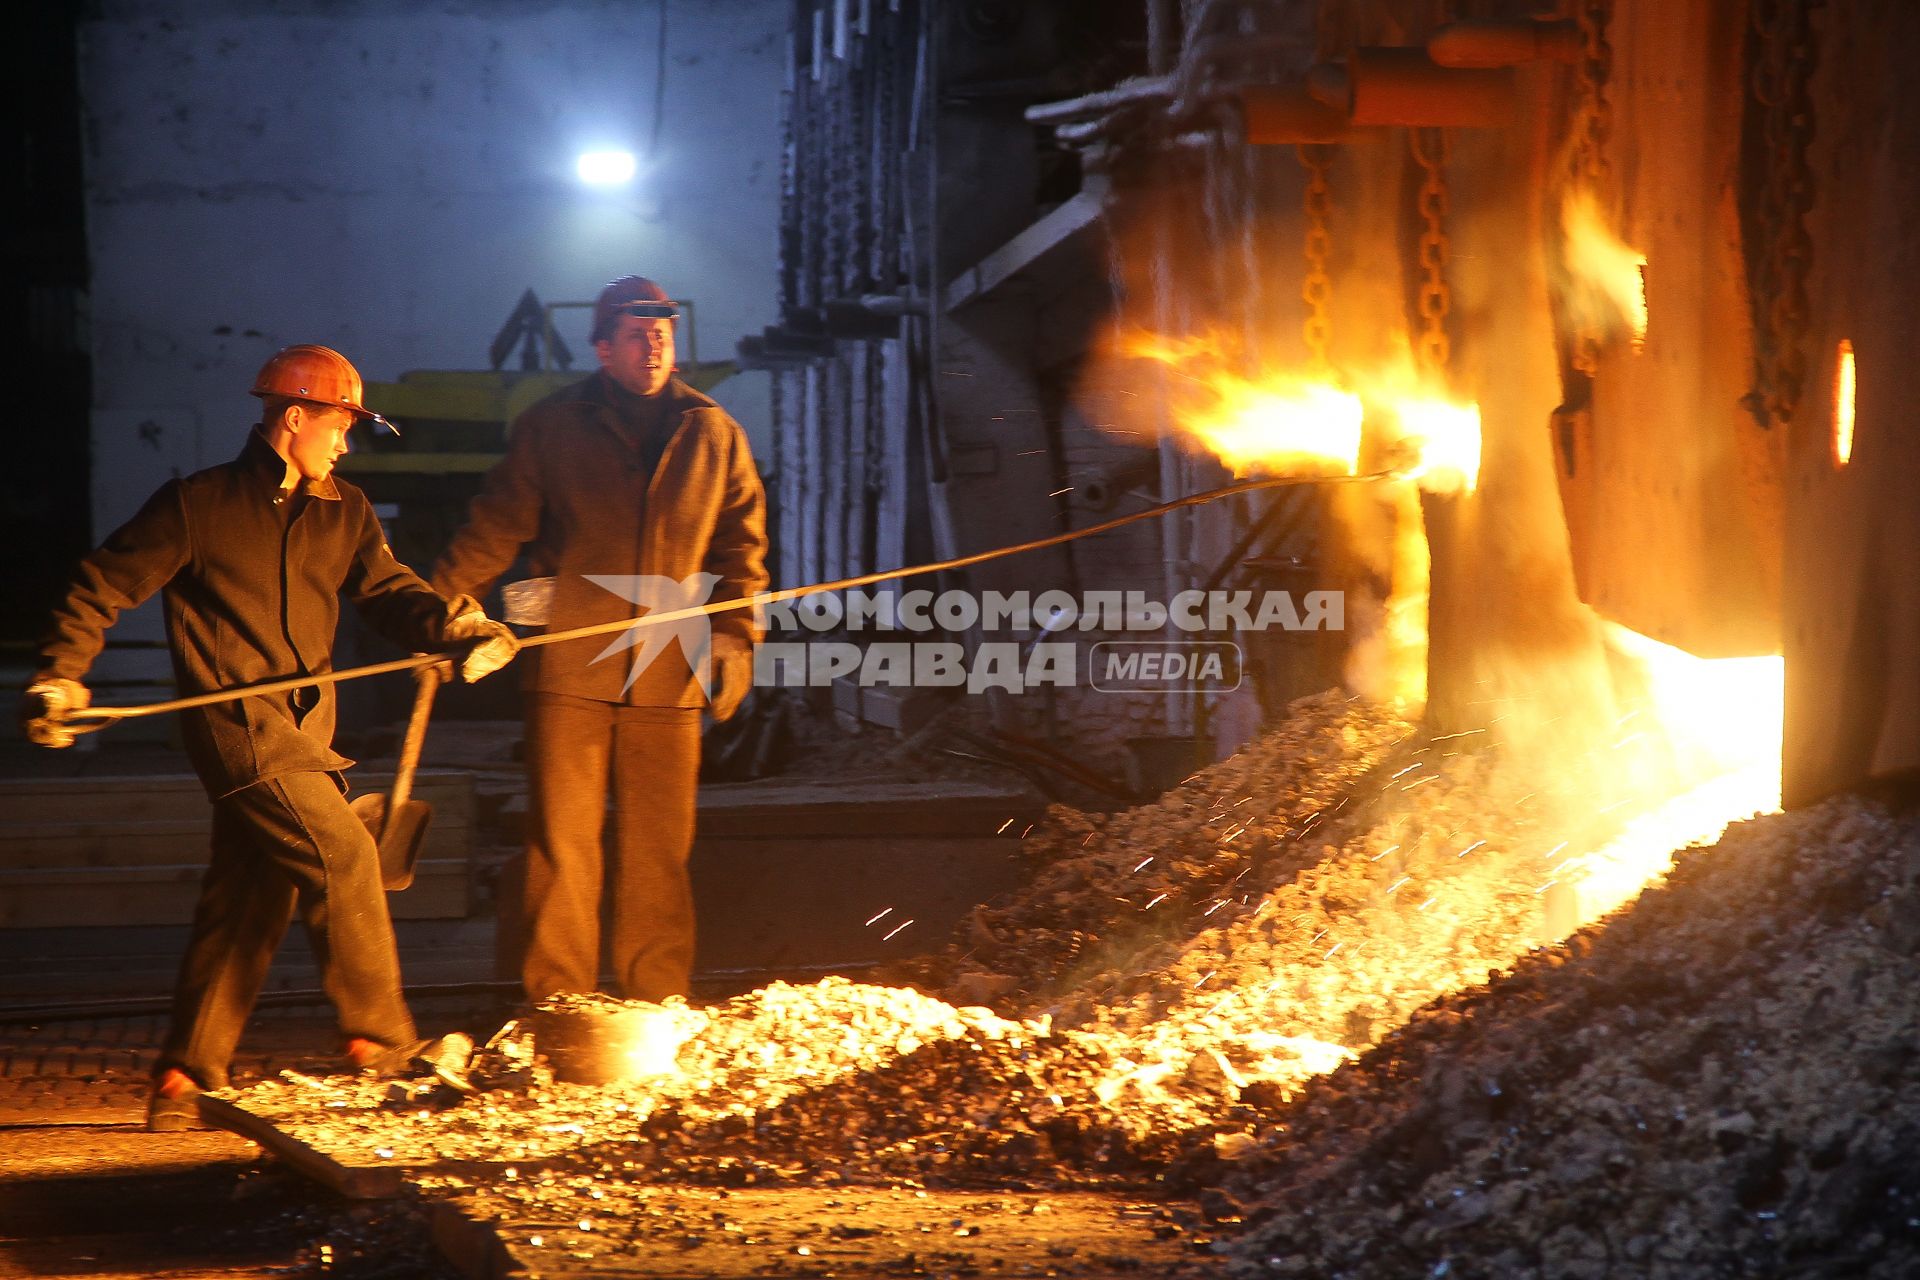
[289, 843]
[576, 747]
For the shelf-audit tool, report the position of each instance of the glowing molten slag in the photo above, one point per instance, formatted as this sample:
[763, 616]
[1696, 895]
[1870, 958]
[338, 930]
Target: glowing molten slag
[1608, 288]
[1721, 719]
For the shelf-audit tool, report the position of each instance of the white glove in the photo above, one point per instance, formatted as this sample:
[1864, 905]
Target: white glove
[731, 674]
[492, 646]
[44, 710]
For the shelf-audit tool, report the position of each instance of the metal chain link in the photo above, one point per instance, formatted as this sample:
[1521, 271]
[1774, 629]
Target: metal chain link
[1431, 150]
[1316, 287]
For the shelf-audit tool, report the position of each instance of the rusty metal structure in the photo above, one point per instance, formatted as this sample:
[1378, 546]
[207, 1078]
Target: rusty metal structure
[972, 192]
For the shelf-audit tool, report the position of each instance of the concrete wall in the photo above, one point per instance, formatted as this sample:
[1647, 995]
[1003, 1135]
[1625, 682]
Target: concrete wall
[386, 178]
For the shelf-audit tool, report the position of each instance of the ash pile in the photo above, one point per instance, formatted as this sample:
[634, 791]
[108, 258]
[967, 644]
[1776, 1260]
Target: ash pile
[1317, 987]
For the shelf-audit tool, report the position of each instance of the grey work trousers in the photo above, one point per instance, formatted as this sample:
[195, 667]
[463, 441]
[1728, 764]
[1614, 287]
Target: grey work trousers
[576, 748]
[289, 843]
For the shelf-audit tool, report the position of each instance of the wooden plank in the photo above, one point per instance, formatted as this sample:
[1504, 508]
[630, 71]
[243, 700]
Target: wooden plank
[163, 844]
[165, 796]
[361, 1182]
[46, 898]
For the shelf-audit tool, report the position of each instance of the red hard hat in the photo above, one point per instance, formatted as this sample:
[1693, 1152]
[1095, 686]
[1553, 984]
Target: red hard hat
[318, 375]
[630, 295]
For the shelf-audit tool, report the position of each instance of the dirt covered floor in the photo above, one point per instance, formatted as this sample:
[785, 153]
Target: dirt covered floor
[1313, 1008]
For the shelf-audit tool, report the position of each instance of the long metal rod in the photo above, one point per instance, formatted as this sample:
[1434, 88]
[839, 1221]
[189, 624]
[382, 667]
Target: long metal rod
[720, 606]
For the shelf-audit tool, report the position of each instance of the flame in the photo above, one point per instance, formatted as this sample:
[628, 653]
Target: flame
[655, 1034]
[1609, 282]
[1444, 438]
[1722, 720]
[1284, 422]
[1280, 423]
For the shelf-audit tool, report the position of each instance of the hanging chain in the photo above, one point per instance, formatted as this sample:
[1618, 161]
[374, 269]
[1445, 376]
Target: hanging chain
[1593, 127]
[1316, 287]
[1595, 70]
[1431, 149]
[1782, 75]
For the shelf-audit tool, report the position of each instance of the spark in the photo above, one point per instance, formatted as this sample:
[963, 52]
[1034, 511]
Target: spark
[1156, 901]
[1057, 492]
[1143, 862]
[1203, 977]
[1469, 849]
[1463, 733]
[1215, 907]
[1556, 849]
[1003, 826]
[1335, 947]
[1429, 778]
[897, 928]
[1397, 883]
[1429, 902]
[1383, 853]
[870, 923]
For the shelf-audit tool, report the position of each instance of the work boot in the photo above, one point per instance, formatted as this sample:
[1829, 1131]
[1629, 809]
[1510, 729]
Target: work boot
[445, 1057]
[175, 1104]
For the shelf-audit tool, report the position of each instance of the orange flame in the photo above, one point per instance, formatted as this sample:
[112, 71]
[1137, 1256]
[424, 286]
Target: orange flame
[1277, 423]
[1283, 422]
[1608, 289]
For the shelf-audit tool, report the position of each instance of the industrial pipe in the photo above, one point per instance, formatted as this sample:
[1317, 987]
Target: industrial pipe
[1481, 43]
[1273, 116]
[1403, 87]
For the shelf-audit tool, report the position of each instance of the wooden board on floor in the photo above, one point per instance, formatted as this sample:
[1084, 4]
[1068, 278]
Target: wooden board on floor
[128, 851]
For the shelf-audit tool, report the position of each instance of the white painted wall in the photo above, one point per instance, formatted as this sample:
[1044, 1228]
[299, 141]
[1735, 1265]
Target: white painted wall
[386, 178]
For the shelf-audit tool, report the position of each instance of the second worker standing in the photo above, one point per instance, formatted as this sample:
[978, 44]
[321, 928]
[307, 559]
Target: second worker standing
[633, 478]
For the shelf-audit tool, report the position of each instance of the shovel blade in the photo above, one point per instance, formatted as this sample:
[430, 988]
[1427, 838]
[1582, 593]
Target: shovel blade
[399, 838]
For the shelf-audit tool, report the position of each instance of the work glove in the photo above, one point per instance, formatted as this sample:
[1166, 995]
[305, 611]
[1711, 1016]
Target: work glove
[491, 645]
[731, 675]
[45, 707]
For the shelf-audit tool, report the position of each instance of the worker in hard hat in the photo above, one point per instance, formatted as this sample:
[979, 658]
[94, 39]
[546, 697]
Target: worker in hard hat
[634, 493]
[252, 557]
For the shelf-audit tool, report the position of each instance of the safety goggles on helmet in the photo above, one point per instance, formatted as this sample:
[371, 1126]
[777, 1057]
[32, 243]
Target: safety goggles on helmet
[648, 310]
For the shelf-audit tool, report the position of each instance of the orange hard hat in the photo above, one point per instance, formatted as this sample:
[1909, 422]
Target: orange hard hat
[318, 375]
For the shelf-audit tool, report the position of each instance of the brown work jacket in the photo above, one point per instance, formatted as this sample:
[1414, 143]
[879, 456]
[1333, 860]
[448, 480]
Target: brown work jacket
[252, 593]
[574, 488]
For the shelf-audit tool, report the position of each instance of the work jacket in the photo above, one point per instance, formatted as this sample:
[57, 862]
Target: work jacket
[574, 489]
[252, 593]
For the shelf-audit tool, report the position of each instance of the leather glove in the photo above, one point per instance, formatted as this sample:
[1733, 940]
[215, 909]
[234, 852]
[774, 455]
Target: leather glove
[490, 645]
[44, 710]
[732, 675]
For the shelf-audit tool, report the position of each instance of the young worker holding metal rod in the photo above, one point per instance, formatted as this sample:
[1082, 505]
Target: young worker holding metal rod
[253, 556]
